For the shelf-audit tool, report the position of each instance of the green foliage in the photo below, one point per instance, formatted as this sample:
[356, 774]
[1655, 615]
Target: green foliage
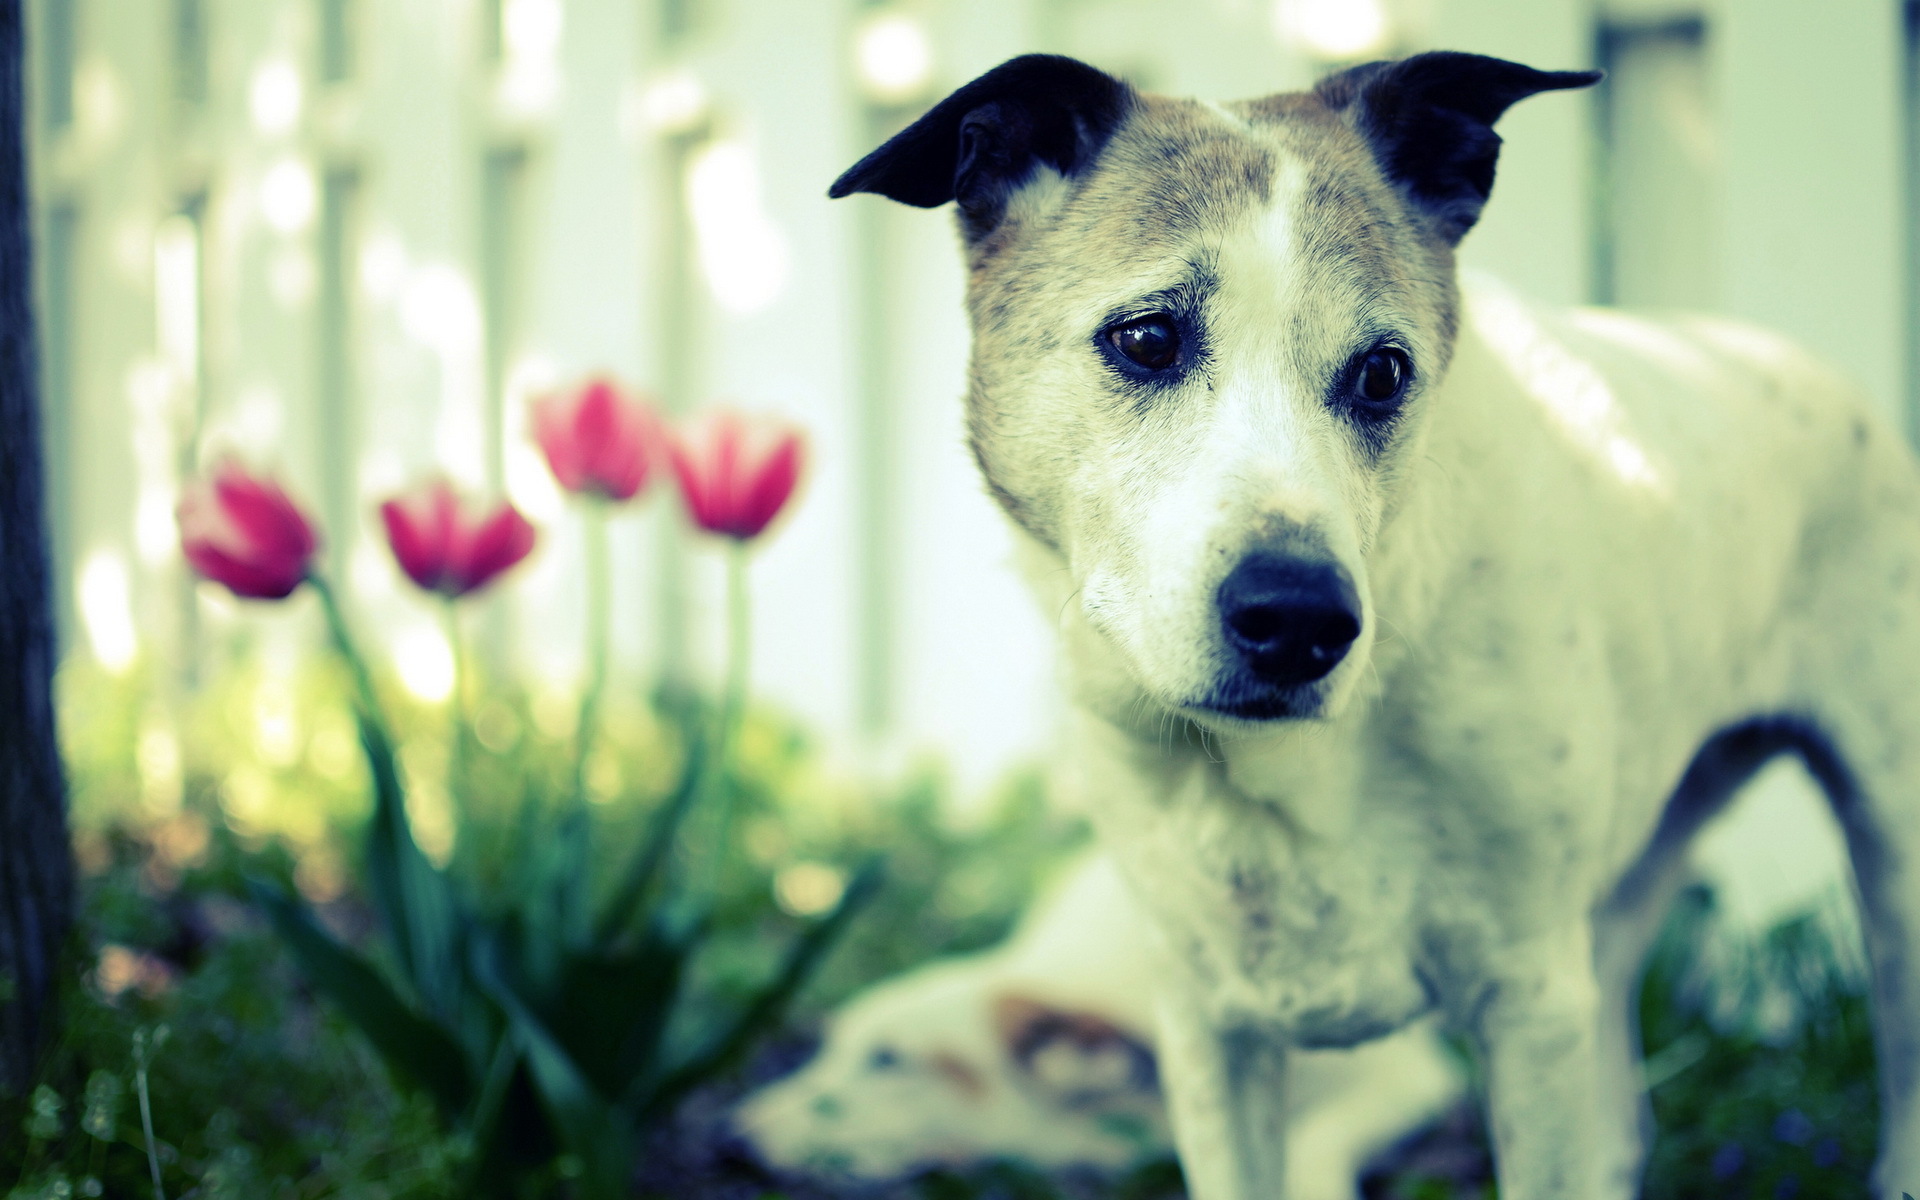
[1763, 1068]
[1759, 1062]
[258, 1091]
[542, 1029]
[254, 1092]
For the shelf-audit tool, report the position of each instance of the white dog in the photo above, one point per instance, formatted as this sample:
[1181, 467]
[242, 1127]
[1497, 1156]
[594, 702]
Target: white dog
[1412, 631]
[1040, 1050]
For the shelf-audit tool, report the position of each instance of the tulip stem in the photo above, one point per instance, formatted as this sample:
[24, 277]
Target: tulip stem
[733, 701]
[368, 700]
[738, 633]
[457, 749]
[599, 618]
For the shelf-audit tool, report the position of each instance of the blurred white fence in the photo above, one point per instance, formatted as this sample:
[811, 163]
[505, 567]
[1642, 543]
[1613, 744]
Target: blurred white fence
[348, 238]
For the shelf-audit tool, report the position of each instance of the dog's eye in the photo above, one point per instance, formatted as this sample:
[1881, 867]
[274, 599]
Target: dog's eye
[1152, 341]
[1382, 375]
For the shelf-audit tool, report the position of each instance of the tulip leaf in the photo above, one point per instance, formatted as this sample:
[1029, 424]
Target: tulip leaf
[413, 900]
[612, 1009]
[550, 921]
[572, 883]
[416, 1047]
[527, 934]
[415, 903]
[510, 1126]
[590, 1126]
[491, 1101]
[652, 853]
[768, 1005]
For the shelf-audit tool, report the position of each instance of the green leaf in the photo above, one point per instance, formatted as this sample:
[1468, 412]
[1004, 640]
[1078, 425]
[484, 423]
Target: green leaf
[612, 1008]
[418, 1049]
[550, 918]
[414, 900]
[527, 931]
[589, 1124]
[573, 875]
[651, 855]
[767, 1007]
[511, 1130]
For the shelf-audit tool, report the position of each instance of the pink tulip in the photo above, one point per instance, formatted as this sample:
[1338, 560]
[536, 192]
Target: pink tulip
[736, 472]
[598, 439]
[444, 546]
[243, 532]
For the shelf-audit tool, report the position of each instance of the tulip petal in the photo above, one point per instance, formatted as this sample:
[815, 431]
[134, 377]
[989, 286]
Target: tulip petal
[443, 548]
[735, 473]
[502, 541]
[597, 439]
[414, 546]
[553, 429]
[242, 531]
[772, 483]
[252, 580]
[692, 480]
[266, 520]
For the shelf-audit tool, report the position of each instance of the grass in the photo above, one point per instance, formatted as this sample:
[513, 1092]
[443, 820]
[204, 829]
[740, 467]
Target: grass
[1769, 1088]
[259, 1092]
[254, 1090]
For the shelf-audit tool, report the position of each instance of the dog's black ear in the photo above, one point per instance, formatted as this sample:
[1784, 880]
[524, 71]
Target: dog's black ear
[982, 142]
[1429, 119]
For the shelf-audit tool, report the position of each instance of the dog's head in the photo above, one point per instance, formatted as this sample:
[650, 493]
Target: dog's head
[1202, 340]
[954, 1064]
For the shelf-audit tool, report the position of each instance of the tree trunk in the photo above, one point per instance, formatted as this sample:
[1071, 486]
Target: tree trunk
[36, 874]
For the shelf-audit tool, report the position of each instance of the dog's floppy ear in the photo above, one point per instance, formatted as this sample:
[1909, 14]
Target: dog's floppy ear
[981, 143]
[1429, 119]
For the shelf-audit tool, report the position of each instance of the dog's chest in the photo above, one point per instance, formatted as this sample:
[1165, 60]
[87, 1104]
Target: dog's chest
[1283, 929]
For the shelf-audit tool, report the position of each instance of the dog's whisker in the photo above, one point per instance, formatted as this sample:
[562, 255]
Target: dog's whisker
[1061, 616]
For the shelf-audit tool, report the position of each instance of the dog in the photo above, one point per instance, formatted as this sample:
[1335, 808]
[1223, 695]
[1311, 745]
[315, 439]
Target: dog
[1411, 629]
[1040, 1050]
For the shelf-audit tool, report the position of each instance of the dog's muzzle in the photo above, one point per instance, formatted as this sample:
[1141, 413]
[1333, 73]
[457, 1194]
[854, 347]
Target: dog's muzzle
[1289, 620]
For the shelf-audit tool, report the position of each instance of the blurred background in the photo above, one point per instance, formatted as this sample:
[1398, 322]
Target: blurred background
[350, 239]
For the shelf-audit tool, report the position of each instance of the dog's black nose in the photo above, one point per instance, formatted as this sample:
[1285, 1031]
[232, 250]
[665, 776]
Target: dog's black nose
[1291, 620]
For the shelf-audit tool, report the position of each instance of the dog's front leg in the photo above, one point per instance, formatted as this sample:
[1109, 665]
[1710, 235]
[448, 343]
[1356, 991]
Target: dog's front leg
[1225, 1094]
[1559, 1132]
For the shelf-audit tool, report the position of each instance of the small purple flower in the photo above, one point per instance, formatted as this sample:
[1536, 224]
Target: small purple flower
[1826, 1152]
[1793, 1128]
[1728, 1160]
